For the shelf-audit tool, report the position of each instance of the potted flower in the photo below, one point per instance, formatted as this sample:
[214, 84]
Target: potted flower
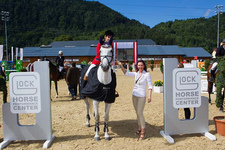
[130, 68]
[158, 86]
[220, 124]
[152, 67]
[161, 67]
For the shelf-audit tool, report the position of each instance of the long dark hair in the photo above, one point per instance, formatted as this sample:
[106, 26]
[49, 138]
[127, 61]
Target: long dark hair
[145, 67]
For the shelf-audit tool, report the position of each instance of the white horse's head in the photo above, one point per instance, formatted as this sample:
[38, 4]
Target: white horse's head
[106, 55]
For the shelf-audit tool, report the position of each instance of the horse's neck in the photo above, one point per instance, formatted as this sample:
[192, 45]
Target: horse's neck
[104, 77]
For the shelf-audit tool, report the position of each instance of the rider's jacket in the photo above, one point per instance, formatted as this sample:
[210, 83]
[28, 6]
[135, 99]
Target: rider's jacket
[59, 61]
[220, 51]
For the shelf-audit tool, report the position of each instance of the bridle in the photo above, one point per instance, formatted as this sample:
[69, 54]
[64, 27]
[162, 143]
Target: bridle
[106, 57]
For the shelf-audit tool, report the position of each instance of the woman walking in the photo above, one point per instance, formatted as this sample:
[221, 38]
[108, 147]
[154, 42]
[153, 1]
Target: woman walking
[142, 78]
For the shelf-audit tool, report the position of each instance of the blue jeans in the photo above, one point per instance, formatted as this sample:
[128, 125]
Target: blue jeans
[73, 89]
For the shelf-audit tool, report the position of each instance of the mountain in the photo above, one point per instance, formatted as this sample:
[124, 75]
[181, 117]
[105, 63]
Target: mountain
[200, 32]
[37, 22]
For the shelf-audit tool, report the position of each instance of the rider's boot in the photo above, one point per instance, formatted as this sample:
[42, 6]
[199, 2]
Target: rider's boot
[85, 77]
[212, 76]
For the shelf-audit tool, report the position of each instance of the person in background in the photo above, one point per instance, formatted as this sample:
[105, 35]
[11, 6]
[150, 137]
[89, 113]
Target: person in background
[2, 72]
[142, 79]
[60, 63]
[72, 80]
[108, 35]
[187, 111]
[220, 52]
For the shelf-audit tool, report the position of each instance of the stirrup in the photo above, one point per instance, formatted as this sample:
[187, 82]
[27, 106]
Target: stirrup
[211, 79]
[116, 94]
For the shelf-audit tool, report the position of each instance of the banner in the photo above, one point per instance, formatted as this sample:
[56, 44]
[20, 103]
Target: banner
[16, 52]
[12, 53]
[21, 53]
[1, 52]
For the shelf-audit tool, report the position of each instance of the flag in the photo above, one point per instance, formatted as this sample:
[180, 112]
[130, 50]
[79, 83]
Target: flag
[16, 52]
[1, 52]
[21, 53]
[12, 52]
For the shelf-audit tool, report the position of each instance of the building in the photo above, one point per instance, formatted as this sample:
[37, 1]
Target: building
[80, 51]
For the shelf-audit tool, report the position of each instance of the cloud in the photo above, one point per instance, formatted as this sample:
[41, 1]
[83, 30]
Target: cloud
[207, 13]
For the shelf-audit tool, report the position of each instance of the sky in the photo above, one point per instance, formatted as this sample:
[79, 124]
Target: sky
[153, 12]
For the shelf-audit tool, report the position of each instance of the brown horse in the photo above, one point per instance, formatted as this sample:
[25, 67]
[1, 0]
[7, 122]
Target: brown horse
[55, 76]
[3, 88]
[210, 84]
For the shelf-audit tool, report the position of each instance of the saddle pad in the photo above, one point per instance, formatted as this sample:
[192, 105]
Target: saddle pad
[96, 90]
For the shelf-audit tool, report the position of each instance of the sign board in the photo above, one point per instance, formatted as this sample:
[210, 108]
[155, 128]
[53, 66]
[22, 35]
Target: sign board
[186, 87]
[187, 81]
[25, 92]
[34, 85]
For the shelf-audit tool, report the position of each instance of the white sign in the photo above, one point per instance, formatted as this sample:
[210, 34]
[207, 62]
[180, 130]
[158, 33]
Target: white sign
[186, 87]
[25, 92]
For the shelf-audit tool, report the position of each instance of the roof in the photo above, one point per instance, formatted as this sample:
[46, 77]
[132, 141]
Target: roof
[95, 42]
[153, 50]
[67, 51]
[195, 51]
[146, 47]
[160, 50]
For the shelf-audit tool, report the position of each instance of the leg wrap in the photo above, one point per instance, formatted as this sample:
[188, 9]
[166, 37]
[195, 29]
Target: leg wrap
[88, 117]
[106, 127]
[96, 126]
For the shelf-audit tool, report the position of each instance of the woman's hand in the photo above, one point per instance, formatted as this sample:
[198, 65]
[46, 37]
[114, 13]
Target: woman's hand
[149, 99]
[118, 62]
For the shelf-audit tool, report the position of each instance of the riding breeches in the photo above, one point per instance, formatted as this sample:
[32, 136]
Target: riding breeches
[139, 104]
[60, 68]
[89, 69]
[213, 66]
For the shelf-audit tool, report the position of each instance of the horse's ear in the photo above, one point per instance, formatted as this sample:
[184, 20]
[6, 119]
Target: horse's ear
[100, 40]
[111, 41]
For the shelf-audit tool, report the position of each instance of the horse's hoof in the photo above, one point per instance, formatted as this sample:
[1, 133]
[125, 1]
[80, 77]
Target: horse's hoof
[56, 96]
[97, 138]
[88, 125]
[107, 138]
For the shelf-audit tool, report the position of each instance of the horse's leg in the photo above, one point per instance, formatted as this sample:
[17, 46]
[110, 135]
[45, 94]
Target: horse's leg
[210, 89]
[106, 130]
[221, 104]
[96, 110]
[5, 95]
[87, 109]
[56, 89]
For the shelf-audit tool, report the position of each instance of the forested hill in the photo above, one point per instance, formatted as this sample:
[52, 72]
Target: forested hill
[37, 22]
[199, 32]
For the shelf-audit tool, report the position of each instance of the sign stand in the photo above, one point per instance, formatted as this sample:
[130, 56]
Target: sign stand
[42, 130]
[172, 124]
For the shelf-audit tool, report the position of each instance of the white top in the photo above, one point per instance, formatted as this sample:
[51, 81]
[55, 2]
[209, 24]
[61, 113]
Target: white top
[140, 83]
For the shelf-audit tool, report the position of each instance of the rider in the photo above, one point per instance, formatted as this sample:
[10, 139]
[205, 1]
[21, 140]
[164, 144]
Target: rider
[107, 36]
[219, 52]
[2, 73]
[60, 63]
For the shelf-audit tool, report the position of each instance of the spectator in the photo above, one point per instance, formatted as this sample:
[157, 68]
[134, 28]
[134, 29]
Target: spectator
[72, 80]
[2, 72]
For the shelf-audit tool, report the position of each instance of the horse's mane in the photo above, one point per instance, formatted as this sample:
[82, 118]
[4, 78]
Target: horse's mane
[50, 63]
